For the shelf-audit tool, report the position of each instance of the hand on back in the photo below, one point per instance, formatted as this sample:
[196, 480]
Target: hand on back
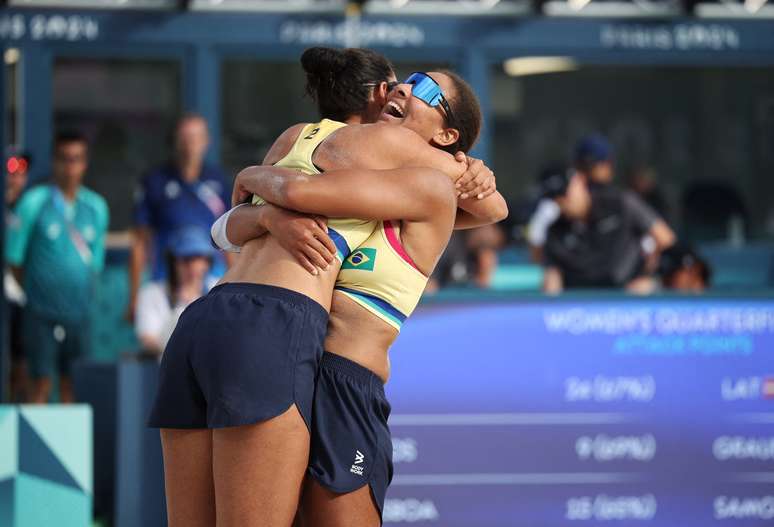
[305, 237]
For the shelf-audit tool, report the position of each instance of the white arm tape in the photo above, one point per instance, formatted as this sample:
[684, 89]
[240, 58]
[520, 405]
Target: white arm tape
[218, 232]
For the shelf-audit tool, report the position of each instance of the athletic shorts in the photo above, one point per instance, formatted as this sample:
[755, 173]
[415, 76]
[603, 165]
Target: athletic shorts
[351, 442]
[242, 354]
[52, 345]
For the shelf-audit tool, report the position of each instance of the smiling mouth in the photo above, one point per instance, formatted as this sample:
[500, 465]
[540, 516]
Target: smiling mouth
[392, 109]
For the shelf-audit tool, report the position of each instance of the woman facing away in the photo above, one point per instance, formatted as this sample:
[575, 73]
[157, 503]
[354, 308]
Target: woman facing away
[377, 287]
[235, 393]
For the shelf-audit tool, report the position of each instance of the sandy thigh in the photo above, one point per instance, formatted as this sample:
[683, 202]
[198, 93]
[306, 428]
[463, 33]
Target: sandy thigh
[258, 471]
[188, 477]
[321, 507]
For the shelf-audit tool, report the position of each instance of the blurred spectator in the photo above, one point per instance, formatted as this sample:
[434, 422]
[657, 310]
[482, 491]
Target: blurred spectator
[186, 191]
[56, 248]
[483, 244]
[681, 269]
[593, 159]
[469, 259]
[596, 242]
[642, 182]
[453, 268]
[160, 303]
[17, 168]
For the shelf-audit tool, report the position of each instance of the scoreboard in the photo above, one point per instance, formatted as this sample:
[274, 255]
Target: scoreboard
[566, 412]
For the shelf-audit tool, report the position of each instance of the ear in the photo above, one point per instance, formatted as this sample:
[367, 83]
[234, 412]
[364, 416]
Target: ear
[380, 93]
[446, 136]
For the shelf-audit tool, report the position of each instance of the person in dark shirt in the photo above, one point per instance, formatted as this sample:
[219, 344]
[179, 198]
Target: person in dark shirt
[682, 269]
[593, 158]
[643, 182]
[17, 170]
[597, 240]
[187, 191]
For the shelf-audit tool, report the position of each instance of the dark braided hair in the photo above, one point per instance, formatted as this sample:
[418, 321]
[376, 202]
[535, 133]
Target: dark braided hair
[466, 113]
[340, 80]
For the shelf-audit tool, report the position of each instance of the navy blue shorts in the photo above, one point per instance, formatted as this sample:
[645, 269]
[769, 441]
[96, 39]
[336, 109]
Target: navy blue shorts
[242, 354]
[351, 442]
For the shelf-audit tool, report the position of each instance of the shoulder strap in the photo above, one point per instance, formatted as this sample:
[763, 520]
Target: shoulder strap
[77, 239]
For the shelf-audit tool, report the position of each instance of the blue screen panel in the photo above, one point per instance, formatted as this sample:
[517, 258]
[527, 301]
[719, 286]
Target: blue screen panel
[657, 412]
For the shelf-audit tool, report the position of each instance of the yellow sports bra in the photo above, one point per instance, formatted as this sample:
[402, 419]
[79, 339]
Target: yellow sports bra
[381, 276]
[345, 233]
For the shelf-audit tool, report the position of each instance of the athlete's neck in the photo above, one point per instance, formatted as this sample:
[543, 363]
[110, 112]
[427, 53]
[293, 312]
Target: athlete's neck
[354, 119]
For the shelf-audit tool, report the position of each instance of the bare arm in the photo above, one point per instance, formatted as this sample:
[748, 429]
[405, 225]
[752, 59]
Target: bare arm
[477, 213]
[396, 147]
[480, 202]
[244, 223]
[400, 147]
[662, 234]
[409, 194]
[552, 281]
[138, 252]
[303, 236]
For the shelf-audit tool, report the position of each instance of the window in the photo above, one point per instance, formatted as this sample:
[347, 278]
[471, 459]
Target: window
[127, 109]
[262, 99]
[259, 101]
[695, 127]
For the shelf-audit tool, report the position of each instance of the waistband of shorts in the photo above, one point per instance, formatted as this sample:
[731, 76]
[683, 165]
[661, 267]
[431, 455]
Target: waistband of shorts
[280, 293]
[352, 369]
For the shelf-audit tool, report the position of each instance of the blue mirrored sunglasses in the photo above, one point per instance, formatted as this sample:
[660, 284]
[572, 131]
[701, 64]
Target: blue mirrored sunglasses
[424, 88]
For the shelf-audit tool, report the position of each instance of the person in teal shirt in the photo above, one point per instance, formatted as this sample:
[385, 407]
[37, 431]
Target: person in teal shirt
[56, 248]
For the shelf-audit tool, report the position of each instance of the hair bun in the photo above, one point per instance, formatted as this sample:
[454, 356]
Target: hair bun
[320, 60]
[340, 80]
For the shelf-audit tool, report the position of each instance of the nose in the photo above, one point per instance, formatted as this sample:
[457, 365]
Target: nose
[404, 90]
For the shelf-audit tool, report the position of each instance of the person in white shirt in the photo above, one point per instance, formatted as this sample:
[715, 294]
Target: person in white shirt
[160, 303]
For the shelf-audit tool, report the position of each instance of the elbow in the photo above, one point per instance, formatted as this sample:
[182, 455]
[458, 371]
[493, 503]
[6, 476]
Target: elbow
[500, 210]
[495, 211]
[669, 240]
[665, 238]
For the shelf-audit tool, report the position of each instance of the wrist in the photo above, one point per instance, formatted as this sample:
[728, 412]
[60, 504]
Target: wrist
[265, 218]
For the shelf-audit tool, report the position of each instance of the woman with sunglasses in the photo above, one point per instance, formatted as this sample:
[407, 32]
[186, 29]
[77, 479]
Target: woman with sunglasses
[238, 350]
[375, 291]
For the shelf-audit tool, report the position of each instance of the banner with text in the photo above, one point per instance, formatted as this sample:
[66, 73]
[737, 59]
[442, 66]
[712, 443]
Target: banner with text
[559, 413]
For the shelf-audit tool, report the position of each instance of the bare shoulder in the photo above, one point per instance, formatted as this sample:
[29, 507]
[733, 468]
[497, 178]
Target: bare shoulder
[392, 134]
[283, 144]
[378, 145]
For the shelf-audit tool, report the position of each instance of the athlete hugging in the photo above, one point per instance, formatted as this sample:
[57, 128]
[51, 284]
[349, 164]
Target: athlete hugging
[271, 397]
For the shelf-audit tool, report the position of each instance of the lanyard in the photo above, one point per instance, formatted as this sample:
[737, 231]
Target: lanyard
[77, 239]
